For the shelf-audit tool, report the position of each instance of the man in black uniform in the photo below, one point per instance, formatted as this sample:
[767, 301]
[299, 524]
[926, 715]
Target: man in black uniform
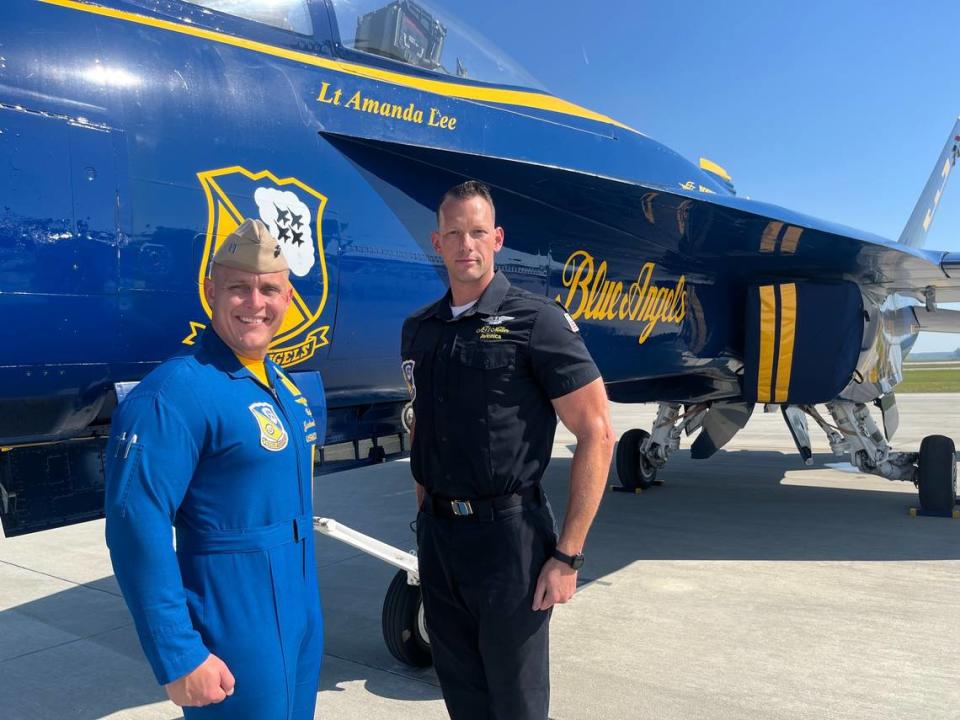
[490, 367]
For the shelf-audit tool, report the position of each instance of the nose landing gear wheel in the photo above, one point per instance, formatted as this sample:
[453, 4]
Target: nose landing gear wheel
[634, 470]
[937, 475]
[404, 628]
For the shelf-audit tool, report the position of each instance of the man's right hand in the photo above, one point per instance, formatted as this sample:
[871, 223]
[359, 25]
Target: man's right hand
[210, 682]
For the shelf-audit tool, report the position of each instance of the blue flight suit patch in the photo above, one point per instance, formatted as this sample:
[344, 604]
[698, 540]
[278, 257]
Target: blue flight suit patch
[203, 446]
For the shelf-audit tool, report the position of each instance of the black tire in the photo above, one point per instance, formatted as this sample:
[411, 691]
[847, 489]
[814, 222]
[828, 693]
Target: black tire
[634, 471]
[937, 475]
[403, 629]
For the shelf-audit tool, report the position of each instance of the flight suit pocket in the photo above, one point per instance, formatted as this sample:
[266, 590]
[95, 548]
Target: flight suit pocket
[123, 470]
[489, 368]
[489, 356]
[484, 384]
[481, 374]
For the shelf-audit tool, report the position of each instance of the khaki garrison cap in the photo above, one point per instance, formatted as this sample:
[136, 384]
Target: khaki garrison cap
[253, 249]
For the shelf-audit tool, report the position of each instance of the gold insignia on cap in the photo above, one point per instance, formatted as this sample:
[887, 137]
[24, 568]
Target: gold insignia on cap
[253, 249]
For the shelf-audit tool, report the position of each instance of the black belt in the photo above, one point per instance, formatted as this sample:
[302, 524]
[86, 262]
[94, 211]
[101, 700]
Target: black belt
[482, 509]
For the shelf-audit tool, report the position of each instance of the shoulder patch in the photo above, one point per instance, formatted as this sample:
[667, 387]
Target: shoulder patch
[570, 322]
[406, 367]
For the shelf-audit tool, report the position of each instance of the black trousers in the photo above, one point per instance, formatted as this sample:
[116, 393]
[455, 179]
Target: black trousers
[490, 650]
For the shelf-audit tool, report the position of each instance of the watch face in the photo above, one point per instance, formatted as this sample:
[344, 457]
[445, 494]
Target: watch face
[574, 561]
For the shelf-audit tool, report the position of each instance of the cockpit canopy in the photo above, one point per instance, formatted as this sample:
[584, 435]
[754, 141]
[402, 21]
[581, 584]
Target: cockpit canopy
[292, 15]
[403, 31]
[414, 33]
[426, 37]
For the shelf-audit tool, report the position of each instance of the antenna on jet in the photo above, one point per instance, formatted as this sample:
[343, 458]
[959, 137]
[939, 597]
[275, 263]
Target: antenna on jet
[915, 232]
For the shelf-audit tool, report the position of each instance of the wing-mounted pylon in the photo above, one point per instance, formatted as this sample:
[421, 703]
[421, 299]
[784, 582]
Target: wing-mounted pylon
[939, 320]
[722, 421]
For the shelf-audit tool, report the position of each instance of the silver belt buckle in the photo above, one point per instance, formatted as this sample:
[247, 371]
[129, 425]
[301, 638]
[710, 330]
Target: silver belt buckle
[461, 507]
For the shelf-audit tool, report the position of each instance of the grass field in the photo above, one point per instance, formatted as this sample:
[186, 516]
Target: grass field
[930, 377]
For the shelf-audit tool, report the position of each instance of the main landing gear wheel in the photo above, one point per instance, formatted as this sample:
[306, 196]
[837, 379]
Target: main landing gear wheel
[634, 470]
[937, 475]
[404, 628]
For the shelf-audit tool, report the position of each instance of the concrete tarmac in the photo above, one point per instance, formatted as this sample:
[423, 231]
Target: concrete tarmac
[748, 586]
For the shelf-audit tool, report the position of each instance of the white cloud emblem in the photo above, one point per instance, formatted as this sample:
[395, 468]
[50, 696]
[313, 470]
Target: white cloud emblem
[289, 221]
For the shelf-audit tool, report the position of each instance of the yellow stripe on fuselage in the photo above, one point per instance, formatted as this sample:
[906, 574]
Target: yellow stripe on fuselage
[791, 237]
[768, 330]
[768, 241]
[520, 98]
[788, 331]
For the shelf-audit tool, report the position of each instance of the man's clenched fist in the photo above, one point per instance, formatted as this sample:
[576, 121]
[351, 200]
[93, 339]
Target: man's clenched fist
[210, 682]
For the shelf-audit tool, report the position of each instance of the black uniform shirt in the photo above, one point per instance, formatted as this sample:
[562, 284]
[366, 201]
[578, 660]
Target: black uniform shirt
[482, 384]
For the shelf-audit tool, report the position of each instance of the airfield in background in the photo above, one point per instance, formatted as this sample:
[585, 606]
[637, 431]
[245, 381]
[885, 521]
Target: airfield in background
[747, 587]
[931, 372]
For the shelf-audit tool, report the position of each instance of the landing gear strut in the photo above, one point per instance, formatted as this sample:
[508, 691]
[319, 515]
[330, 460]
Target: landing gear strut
[933, 470]
[403, 623]
[641, 454]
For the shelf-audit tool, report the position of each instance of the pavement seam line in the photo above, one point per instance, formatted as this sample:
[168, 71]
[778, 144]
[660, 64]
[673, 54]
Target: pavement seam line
[62, 579]
[65, 643]
[359, 553]
[380, 669]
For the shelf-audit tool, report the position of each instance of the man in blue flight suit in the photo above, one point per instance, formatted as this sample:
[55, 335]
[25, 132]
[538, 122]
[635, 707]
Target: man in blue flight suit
[490, 367]
[218, 443]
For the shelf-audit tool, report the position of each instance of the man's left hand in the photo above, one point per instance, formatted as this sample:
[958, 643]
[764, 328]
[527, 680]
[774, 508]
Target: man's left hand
[557, 584]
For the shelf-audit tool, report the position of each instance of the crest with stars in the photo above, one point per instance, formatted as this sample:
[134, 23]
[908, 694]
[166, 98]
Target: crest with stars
[292, 210]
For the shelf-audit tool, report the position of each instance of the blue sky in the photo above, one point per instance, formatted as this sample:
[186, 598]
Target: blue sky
[835, 109]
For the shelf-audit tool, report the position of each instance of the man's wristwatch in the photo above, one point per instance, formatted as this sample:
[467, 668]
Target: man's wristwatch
[574, 561]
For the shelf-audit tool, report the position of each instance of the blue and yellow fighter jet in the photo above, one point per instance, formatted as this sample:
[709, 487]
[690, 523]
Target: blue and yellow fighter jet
[136, 134]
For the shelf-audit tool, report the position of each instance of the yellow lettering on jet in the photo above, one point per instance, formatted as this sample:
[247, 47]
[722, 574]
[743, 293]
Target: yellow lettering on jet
[592, 296]
[408, 113]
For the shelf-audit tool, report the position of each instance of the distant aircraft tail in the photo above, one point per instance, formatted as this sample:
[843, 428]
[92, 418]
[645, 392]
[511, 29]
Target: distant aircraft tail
[915, 232]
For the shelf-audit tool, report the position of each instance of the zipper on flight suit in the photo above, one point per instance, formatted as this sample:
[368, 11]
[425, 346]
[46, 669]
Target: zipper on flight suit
[296, 448]
[301, 537]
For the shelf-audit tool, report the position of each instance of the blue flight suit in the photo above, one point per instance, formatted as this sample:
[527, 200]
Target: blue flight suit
[203, 446]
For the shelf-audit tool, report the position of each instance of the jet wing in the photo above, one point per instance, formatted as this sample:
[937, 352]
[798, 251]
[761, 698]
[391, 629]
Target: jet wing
[745, 237]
